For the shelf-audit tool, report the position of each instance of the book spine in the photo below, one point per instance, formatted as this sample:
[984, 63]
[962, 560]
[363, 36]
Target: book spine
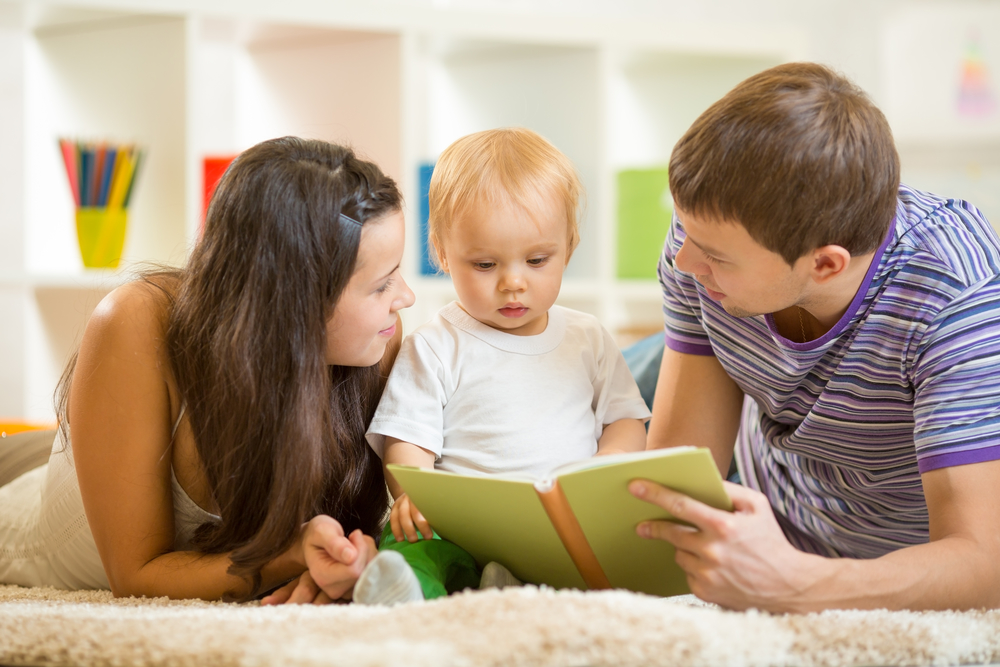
[568, 528]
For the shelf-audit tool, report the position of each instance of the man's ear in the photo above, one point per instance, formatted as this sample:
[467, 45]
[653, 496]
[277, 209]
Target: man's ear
[828, 262]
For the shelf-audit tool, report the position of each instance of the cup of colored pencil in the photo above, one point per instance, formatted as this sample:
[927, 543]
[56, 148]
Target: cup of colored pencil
[102, 179]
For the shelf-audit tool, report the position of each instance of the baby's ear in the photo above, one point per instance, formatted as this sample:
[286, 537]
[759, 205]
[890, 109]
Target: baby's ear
[442, 260]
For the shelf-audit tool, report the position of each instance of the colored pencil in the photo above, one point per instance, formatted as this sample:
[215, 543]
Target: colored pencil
[139, 155]
[95, 176]
[100, 175]
[69, 155]
[106, 173]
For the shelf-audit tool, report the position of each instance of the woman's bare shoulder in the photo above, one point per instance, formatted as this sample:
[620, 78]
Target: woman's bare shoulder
[140, 307]
[129, 326]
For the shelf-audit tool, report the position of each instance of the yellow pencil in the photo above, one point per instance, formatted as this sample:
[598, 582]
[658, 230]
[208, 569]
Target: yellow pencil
[122, 177]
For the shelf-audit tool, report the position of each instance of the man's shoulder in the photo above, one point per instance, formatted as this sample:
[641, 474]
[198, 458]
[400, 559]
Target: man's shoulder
[944, 239]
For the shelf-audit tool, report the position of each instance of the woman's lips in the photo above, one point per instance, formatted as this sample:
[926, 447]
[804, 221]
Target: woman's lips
[513, 311]
[388, 331]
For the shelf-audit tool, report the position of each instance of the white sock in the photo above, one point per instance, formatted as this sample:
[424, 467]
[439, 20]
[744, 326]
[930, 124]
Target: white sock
[496, 575]
[387, 580]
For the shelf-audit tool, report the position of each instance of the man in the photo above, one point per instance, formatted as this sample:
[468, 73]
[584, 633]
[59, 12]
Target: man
[844, 332]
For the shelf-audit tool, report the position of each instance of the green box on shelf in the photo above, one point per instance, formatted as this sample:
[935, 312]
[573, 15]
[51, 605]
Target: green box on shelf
[644, 212]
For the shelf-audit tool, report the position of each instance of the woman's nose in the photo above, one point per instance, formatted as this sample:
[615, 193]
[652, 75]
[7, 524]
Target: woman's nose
[406, 297]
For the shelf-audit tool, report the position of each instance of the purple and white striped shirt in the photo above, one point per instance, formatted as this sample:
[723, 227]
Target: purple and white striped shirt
[836, 431]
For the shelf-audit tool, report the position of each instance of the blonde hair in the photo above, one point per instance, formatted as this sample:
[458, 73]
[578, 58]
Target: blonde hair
[507, 166]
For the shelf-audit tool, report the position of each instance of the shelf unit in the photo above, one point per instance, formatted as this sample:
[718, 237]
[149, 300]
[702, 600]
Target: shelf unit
[190, 79]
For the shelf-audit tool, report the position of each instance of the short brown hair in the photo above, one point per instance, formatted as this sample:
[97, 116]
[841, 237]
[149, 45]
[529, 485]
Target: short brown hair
[505, 166]
[797, 154]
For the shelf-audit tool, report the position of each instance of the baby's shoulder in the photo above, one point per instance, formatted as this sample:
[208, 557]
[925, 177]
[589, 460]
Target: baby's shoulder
[580, 326]
[435, 342]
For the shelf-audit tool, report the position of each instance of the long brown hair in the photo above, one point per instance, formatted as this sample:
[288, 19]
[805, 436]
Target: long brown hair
[280, 434]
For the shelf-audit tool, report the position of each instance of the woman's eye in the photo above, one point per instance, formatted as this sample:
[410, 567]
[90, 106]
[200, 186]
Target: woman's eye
[384, 288]
[712, 260]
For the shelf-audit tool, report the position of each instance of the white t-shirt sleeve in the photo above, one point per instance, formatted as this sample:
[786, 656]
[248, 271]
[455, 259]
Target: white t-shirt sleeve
[616, 395]
[412, 405]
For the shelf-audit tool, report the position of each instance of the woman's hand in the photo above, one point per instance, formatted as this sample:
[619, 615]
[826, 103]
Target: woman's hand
[333, 561]
[301, 590]
[406, 520]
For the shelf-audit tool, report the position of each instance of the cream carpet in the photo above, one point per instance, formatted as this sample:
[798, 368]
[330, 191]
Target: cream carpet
[525, 626]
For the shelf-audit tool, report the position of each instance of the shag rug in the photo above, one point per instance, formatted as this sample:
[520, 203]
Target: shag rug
[519, 626]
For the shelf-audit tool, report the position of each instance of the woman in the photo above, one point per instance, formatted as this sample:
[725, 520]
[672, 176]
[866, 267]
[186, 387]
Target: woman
[218, 412]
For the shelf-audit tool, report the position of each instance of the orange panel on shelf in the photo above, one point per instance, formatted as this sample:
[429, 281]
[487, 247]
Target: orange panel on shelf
[12, 427]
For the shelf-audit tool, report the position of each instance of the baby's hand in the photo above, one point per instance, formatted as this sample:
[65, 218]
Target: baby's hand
[334, 562]
[406, 520]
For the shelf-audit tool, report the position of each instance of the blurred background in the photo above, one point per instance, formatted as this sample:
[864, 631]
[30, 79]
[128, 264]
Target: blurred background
[613, 83]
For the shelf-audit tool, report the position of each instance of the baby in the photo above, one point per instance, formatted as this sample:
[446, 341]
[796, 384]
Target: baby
[502, 380]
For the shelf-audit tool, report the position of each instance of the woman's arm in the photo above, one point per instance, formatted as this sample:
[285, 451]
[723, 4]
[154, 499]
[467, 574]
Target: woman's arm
[121, 417]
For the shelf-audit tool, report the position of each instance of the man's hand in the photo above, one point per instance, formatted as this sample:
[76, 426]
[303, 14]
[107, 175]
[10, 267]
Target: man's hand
[406, 520]
[334, 563]
[738, 559]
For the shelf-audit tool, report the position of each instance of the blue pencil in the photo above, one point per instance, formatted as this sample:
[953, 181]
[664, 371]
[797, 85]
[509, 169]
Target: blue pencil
[87, 164]
[109, 170]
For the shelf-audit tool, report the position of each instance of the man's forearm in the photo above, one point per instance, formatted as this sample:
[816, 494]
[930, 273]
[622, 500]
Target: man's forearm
[951, 573]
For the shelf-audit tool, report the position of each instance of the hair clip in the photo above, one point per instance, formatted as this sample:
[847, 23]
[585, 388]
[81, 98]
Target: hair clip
[348, 218]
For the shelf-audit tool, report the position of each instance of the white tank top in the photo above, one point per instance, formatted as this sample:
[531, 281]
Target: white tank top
[44, 536]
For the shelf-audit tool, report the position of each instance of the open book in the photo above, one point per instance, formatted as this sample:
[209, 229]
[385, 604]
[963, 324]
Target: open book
[576, 527]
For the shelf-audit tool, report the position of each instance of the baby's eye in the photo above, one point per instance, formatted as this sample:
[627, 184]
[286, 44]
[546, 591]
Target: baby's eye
[538, 261]
[484, 266]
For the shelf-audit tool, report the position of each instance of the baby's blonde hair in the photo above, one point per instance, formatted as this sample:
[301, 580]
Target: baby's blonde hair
[507, 166]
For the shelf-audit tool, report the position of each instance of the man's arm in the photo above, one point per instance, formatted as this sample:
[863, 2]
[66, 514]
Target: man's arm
[742, 559]
[696, 403]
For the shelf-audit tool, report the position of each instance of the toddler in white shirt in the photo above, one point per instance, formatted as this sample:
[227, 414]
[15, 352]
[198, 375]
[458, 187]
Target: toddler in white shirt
[502, 380]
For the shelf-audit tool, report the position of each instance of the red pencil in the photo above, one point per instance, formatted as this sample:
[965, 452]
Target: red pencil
[68, 150]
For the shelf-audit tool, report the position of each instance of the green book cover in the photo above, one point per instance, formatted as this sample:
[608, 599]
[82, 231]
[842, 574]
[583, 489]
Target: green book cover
[644, 212]
[503, 519]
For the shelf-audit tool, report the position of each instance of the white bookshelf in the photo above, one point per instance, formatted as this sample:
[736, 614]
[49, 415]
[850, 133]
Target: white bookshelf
[192, 79]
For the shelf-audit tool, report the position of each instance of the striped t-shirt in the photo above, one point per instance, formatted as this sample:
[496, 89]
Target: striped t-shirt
[836, 431]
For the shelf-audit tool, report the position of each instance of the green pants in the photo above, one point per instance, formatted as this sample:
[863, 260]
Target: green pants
[441, 567]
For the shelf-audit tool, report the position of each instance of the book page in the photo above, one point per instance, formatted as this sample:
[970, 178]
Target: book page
[612, 459]
[494, 520]
[608, 514]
